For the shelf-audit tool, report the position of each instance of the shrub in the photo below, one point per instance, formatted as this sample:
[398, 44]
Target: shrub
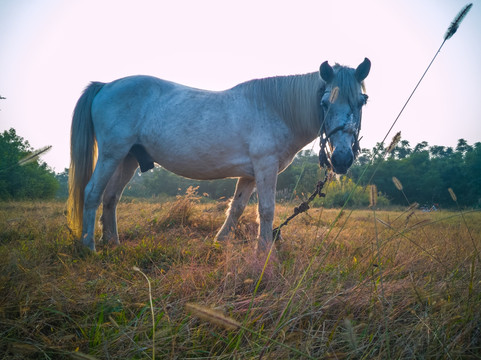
[344, 191]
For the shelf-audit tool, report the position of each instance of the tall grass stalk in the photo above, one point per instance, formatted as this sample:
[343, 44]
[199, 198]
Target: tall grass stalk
[215, 317]
[400, 187]
[254, 293]
[453, 27]
[476, 253]
[279, 322]
[318, 251]
[135, 268]
[455, 199]
[380, 265]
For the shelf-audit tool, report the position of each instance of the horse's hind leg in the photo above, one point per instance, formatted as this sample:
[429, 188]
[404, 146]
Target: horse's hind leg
[112, 194]
[93, 194]
[243, 192]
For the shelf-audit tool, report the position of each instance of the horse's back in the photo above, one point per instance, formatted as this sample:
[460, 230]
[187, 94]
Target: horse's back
[132, 90]
[121, 106]
[132, 94]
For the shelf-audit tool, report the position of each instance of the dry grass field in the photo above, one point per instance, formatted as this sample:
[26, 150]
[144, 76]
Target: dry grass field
[369, 285]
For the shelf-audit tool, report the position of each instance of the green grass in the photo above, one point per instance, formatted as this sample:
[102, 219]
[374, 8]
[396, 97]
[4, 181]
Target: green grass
[383, 285]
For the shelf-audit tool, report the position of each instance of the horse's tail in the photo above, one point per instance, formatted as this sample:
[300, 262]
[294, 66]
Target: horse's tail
[83, 156]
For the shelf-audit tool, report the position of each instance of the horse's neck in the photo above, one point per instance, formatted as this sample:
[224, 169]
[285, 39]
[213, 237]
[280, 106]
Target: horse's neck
[304, 113]
[294, 98]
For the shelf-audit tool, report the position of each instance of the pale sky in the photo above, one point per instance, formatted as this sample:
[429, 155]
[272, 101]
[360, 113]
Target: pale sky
[51, 49]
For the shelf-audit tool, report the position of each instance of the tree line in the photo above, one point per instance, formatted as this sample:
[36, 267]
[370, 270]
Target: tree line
[423, 174]
[22, 175]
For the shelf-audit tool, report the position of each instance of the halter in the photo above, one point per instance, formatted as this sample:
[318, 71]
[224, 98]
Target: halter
[324, 155]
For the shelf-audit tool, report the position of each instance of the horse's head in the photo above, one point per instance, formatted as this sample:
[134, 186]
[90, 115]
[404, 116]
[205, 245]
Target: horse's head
[341, 105]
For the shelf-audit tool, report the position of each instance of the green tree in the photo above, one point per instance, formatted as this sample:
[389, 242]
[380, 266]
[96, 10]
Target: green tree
[363, 158]
[472, 159]
[402, 150]
[62, 178]
[421, 146]
[426, 173]
[160, 181]
[437, 151]
[30, 180]
[301, 176]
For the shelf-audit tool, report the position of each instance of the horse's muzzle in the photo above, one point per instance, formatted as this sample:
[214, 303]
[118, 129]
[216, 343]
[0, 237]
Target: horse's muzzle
[341, 160]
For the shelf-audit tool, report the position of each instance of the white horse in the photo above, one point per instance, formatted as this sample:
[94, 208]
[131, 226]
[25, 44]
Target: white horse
[250, 132]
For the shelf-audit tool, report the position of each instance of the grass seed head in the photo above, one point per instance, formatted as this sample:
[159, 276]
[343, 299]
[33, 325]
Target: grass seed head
[212, 316]
[34, 155]
[334, 94]
[394, 142]
[350, 334]
[373, 196]
[453, 195]
[413, 206]
[397, 183]
[457, 20]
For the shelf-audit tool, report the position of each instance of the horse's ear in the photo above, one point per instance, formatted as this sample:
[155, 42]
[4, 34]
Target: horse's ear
[327, 74]
[363, 69]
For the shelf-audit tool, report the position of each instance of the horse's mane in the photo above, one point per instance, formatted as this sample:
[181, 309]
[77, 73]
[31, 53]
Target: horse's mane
[295, 98]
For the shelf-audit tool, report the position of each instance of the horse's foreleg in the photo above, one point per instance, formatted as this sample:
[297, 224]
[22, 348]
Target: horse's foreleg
[242, 194]
[266, 180]
[112, 194]
[93, 195]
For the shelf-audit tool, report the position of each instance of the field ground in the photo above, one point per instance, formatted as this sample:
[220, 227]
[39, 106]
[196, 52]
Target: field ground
[374, 285]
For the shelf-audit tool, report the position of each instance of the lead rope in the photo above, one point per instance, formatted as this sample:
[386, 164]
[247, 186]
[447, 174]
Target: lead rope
[303, 207]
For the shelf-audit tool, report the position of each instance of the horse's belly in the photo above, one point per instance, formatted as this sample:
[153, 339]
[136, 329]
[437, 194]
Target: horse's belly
[203, 166]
